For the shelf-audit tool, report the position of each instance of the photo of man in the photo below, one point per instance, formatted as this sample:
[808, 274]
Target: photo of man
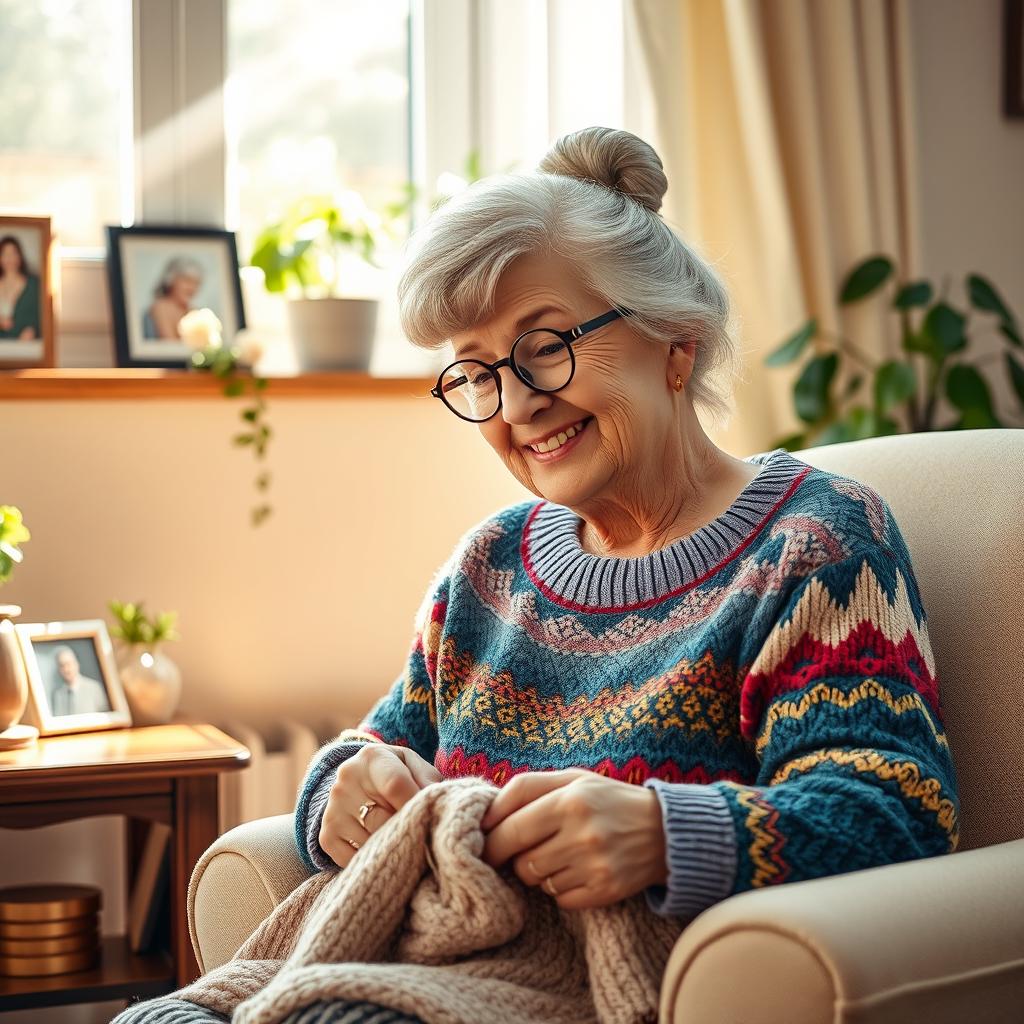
[69, 691]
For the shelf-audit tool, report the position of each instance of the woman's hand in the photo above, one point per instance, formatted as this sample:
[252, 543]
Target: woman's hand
[598, 839]
[390, 775]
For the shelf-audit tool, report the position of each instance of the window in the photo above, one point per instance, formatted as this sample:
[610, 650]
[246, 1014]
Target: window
[64, 78]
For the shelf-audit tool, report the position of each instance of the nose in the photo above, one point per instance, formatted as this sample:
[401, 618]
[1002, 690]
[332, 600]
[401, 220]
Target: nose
[519, 404]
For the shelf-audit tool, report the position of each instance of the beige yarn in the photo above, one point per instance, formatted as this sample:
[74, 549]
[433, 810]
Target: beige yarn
[419, 922]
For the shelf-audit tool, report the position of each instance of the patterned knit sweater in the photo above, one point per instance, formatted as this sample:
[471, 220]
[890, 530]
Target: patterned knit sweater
[770, 676]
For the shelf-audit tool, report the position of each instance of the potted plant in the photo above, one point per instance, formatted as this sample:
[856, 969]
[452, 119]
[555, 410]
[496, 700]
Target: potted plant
[13, 684]
[151, 680]
[934, 337]
[301, 255]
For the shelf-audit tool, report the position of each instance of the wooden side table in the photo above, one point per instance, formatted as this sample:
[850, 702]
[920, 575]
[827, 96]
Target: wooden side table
[165, 773]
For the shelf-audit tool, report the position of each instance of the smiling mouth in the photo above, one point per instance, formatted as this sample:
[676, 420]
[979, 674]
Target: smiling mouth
[570, 442]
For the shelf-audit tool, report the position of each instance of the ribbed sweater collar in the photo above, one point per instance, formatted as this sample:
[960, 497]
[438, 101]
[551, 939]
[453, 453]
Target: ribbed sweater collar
[557, 564]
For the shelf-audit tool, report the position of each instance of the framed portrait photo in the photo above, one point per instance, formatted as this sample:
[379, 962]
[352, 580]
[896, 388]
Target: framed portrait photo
[72, 677]
[26, 292]
[157, 274]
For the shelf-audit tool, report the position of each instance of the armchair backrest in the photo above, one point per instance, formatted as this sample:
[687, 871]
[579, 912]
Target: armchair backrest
[958, 497]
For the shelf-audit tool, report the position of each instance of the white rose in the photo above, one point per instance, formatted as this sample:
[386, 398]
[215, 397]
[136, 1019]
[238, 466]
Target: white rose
[200, 328]
[250, 349]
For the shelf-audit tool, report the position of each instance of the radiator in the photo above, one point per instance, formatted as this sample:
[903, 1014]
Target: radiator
[280, 756]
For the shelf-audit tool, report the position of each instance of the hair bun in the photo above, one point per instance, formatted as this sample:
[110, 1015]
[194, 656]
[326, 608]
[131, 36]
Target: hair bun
[611, 157]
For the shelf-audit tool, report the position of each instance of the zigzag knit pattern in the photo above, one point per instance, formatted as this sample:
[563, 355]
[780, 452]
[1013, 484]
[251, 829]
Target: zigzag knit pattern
[770, 676]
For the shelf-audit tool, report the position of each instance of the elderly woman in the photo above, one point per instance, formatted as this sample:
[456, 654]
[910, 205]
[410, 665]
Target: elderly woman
[690, 674]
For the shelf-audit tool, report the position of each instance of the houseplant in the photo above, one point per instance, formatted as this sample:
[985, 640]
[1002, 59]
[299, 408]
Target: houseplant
[151, 680]
[13, 684]
[201, 331]
[934, 337]
[301, 253]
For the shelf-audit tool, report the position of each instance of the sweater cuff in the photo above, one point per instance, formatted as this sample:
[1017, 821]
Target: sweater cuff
[700, 848]
[312, 802]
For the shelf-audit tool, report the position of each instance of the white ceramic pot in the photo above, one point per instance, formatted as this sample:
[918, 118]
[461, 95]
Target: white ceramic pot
[13, 683]
[152, 684]
[333, 334]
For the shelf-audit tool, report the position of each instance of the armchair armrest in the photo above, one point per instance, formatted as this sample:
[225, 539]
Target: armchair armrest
[938, 940]
[237, 883]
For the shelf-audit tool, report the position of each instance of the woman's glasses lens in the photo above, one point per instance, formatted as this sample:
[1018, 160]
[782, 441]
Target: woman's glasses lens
[542, 358]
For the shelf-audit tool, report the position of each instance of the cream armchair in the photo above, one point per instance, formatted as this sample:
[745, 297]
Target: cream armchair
[939, 940]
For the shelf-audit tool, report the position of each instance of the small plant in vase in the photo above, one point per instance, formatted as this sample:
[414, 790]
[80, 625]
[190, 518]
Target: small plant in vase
[151, 680]
[13, 684]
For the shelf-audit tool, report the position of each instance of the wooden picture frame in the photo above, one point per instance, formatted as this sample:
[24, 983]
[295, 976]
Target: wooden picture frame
[157, 273]
[29, 241]
[65, 690]
[1013, 58]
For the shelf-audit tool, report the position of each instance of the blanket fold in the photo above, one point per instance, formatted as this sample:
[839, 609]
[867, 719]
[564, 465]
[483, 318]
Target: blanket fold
[418, 922]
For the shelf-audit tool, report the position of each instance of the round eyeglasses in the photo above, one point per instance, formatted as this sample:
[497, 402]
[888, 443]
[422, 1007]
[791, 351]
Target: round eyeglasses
[542, 359]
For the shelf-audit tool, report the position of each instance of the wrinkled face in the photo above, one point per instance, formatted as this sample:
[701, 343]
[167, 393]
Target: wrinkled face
[184, 287]
[620, 390]
[67, 665]
[10, 261]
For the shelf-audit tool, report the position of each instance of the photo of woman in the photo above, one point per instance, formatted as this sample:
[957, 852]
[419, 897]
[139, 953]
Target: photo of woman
[181, 278]
[20, 312]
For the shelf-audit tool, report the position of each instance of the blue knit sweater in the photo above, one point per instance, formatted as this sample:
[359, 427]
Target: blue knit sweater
[770, 676]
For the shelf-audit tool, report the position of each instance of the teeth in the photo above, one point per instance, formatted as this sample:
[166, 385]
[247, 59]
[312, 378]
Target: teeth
[559, 439]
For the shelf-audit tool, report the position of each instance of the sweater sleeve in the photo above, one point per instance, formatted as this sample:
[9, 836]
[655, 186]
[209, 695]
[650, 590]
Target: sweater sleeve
[842, 708]
[404, 716]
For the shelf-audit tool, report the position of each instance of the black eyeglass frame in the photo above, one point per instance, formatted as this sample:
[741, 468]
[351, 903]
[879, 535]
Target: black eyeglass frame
[568, 336]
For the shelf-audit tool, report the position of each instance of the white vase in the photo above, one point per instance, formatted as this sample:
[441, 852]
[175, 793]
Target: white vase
[333, 334]
[152, 684]
[13, 683]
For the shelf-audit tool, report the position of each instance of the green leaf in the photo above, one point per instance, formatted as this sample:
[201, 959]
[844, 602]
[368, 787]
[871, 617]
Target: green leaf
[792, 442]
[1012, 334]
[979, 419]
[916, 293]
[260, 513]
[234, 388]
[1016, 371]
[895, 383]
[835, 433]
[250, 415]
[811, 390]
[984, 296]
[852, 384]
[968, 390]
[793, 347]
[241, 439]
[943, 328]
[261, 383]
[865, 278]
[263, 481]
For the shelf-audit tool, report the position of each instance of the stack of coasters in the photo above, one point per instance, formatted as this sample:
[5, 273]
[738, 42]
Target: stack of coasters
[48, 929]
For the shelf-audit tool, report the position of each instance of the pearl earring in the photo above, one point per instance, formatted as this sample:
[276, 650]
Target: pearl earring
[678, 384]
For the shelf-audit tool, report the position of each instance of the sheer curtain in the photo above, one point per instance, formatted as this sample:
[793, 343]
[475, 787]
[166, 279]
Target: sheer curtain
[785, 129]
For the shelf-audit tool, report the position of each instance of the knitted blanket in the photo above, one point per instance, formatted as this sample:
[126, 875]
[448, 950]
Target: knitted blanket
[419, 922]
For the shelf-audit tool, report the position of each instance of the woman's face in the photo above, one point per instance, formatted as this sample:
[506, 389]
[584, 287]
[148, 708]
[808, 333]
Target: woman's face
[10, 258]
[184, 288]
[622, 385]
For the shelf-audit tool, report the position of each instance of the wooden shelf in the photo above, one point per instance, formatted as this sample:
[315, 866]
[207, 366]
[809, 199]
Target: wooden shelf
[111, 384]
[121, 974]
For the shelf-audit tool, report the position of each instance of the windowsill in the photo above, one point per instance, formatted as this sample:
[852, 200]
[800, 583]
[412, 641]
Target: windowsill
[65, 383]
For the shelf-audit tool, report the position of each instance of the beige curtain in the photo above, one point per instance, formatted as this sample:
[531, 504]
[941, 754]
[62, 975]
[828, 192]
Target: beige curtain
[784, 126]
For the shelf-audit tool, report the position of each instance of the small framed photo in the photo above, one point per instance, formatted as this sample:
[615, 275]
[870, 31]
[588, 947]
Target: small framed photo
[26, 292]
[72, 677]
[157, 274]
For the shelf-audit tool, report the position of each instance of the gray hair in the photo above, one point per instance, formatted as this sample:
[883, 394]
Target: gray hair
[62, 650]
[593, 201]
[179, 266]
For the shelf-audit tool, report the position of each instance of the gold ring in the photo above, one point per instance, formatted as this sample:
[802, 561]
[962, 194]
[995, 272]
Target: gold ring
[352, 843]
[550, 886]
[364, 810]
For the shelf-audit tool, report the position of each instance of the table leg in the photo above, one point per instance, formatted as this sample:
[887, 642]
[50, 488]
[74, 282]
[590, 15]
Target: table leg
[195, 828]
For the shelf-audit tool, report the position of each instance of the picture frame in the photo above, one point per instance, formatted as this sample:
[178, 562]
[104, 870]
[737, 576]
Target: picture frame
[73, 681]
[156, 274]
[27, 332]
